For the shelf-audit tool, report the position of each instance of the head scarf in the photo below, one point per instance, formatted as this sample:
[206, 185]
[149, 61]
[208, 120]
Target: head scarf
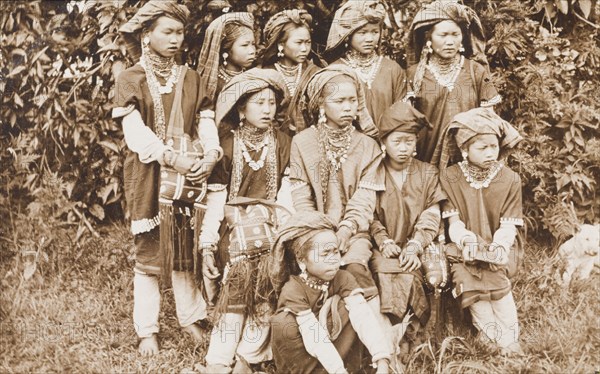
[401, 116]
[311, 96]
[441, 10]
[296, 232]
[273, 31]
[478, 121]
[131, 31]
[350, 17]
[248, 82]
[210, 55]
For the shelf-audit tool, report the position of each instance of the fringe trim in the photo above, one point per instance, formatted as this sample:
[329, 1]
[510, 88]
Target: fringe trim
[297, 185]
[513, 221]
[371, 186]
[213, 187]
[449, 213]
[491, 102]
[144, 225]
[122, 111]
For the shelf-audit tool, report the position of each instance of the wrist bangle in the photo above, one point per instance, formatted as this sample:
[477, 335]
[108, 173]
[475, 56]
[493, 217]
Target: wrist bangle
[417, 244]
[350, 225]
[387, 242]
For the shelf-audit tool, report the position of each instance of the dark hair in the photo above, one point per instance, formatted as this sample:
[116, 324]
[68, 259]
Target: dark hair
[233, 117]
[425, 34]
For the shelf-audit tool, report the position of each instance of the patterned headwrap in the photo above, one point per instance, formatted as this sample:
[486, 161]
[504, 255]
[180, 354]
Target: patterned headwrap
[248, 82]
[478, 121]
[442, 10]
[131, 31]
[311, 96]
[210, 55]
[273, 31]
[350, 17]
[297, 231]
[401, 116]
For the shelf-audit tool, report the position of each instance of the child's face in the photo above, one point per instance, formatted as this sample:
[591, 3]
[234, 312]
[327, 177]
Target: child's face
[483, 151]
[400, 146]
[323, 258]
[243, 51]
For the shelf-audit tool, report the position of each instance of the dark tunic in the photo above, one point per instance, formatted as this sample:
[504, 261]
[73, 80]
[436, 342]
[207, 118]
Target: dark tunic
[482, 211]
[142, 180]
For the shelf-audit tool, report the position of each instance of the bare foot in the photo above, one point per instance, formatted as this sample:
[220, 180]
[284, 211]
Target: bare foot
[195, 332]
[241, 366]
[148, 346]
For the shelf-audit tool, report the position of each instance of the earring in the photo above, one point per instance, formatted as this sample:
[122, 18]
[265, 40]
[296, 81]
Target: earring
[225, 55]
[461, 49]
[465, 155]
[322, 116]
[414, 154]
[146, 41]
[428, 46]
[302, 267]
[280, 53]
[346, 44]
[242, 119]
[383, 149]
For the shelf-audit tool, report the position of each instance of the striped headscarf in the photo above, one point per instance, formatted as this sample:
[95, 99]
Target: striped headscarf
[273, 31]
[131, 31]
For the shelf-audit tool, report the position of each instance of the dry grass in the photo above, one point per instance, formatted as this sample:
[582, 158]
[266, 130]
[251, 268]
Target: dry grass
[74, 315]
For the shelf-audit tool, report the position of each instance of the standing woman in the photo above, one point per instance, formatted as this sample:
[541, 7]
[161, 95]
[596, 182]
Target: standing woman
[354, 40]
[255, 158]
[334, 166]
[229, 48]
[289, 51]
[451, 76]
[154, 98]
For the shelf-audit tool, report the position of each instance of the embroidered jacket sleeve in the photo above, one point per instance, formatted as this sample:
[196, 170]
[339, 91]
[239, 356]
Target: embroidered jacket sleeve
[207, 129]
[378, 231]
[488, 95]
[511, 215]
[428, 224]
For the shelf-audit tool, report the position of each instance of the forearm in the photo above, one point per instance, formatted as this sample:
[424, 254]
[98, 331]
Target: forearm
[378, 232]
[141, 139]
[215, 210]
[427, 226]
[360, 207]
[505, 235]
[317, 343]
[302, 195]
[208, 133]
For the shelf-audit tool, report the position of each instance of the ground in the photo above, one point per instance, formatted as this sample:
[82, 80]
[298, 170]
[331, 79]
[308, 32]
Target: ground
[74, 315]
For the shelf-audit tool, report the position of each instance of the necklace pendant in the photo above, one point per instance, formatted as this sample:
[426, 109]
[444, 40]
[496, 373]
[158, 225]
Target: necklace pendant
[165, 89]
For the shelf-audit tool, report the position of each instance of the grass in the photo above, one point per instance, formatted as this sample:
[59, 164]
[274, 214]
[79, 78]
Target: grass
[74, 315]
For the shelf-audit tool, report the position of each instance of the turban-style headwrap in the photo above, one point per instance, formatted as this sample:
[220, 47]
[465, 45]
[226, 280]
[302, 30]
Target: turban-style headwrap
[210, 55]
[478, 121]
[291, 238]
[131, 31]
[350, 17]
[247, 83]
[442, 10]
[273, 31]
[310, 98]
[401, 117]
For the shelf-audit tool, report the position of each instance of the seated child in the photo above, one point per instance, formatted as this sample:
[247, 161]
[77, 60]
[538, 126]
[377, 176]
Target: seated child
[321, 308]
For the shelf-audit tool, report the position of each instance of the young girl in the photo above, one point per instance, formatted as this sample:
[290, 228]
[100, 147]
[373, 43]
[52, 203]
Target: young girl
[353, 41]
[311, 332]
[407, 219]
[446, 39]
[483, 213]
[255, 160]
[229, 48]
[146, 103]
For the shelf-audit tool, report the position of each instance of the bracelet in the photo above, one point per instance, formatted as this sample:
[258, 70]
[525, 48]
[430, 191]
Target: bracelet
[350, 225]
[209, 249]
[387, 242]
[417, 244]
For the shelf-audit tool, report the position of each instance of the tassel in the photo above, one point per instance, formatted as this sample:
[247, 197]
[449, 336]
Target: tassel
[167, 236]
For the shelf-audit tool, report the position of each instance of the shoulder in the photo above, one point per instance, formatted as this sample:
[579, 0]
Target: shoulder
[293, 292]
[367, 142]
[306, 135]
[507, 175]
[282, 137]
[132, 74]
[477, 67]
[425, 168]
[391, 64]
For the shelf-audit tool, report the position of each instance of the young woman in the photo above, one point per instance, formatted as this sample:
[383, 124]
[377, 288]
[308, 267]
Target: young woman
[484, 213]
[334, 166]
[354, 40]
[320, 308]
[255, 160]
[407, 219]
[451, 75]
[152, 99]
[288, 49]
[229, 48]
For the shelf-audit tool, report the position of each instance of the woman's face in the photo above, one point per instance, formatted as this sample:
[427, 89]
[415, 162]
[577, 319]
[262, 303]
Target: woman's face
[323, 258]
[340, 101]
[297, 46]
[166, 37]
[366, 39]
[399, 146]
[243, 50]
[483, 151]
[260, 109]
[446, 39]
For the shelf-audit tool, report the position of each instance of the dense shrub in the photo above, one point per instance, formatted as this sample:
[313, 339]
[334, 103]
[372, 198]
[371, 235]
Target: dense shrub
[61, 152]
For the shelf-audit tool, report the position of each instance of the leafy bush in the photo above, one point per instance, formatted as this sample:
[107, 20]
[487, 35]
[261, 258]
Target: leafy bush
[58, 62]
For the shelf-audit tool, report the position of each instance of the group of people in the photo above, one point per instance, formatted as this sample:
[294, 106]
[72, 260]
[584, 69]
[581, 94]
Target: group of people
[293, 201]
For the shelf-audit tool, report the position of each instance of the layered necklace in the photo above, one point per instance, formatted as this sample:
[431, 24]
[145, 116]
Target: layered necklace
[314, 283]
[335, 143]
[167, 69]
[294, 72]
[445, 71]
[226, 74]
[250, 137]
[366, 67]
[479, 178]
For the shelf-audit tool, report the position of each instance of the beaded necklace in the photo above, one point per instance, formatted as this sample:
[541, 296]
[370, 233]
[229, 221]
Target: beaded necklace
[479, 178]
[336, 144]
[290, 72]
[256, 140]
[445, 72]
[227, 75]
[315, 283]
[365, 67]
